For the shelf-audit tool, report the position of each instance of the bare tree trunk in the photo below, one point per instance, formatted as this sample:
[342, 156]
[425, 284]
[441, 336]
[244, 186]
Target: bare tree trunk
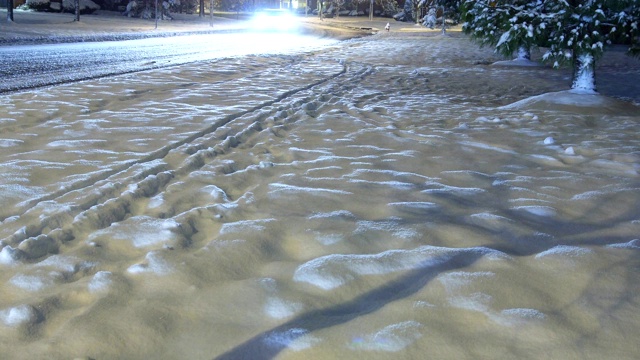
[10, 10]
[524, 53]
[444, 22]
[201, 8]
[76, 3]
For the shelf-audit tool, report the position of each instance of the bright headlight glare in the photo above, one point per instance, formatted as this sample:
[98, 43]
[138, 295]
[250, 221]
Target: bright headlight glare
[278, 20]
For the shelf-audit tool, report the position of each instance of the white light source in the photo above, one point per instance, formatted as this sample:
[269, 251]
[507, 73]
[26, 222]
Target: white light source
[274, 20]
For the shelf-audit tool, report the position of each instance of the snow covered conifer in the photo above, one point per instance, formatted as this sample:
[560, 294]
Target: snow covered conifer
[408, 10]
[389, 7]
[575, 32]
[445, 8]
[578, 32]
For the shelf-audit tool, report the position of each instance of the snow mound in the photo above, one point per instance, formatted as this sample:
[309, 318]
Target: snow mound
[332, 271]
[575, 101]
[633, 244]
[455, 281]
[295, 339]
[18, 315]
[516, 62]
[564, 251]
[100, 282]
[33, 283]
[518, 316]
[277, 308]
[245, 226]
[392, 338]
[140, 232]
[154, 264]
[523, 313]
[537, 210]
[491, 222]
[10, 255]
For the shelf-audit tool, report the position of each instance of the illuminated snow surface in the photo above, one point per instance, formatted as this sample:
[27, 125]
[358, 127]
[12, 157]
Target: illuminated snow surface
[374, 199]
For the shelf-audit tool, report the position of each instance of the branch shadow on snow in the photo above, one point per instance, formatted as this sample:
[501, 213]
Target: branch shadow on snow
[269, 343]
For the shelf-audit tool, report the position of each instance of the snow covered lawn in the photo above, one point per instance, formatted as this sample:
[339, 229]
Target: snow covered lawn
[385, 197]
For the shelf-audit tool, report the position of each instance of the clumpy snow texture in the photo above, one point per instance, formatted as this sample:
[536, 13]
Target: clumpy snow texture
[389, 196]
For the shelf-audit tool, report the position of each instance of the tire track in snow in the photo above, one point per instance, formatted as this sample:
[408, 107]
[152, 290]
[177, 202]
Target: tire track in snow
[108, 201]
[117, 201]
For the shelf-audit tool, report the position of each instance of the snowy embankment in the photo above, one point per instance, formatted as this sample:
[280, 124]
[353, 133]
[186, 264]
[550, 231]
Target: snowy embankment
[348, 203]
[570, 100]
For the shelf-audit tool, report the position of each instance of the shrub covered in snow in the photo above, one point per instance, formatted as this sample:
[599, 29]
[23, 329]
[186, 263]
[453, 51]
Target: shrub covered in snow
[389, 7]
[429, 20]
[408, 10]
[86, 6]
[147, 10]
[38, 5]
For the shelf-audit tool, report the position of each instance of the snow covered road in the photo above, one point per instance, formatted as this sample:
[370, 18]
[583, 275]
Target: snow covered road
[340, 203]
[32, 66]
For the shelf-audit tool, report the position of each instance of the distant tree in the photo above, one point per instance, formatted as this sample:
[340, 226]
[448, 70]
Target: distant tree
[233, 5]
[81, 6]
[451, 9]
[339, 4]
[389, 7]
[239, 6]
[575, 32]
[421, 4]
[409, 10]
[446, 8]
[357, 3]
[211, 12]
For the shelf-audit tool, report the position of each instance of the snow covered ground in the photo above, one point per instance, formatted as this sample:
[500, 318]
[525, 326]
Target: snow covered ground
[390, 196]
[37, 27]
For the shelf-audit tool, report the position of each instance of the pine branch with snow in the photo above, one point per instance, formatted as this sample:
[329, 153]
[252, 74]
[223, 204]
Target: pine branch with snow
[506, 25]
[627, 27]
[576, 30]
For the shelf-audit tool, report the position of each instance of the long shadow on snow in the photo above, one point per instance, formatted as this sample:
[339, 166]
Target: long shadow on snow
[269, 343]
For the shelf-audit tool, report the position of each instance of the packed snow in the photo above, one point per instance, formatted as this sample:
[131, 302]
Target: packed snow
[391, 196]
